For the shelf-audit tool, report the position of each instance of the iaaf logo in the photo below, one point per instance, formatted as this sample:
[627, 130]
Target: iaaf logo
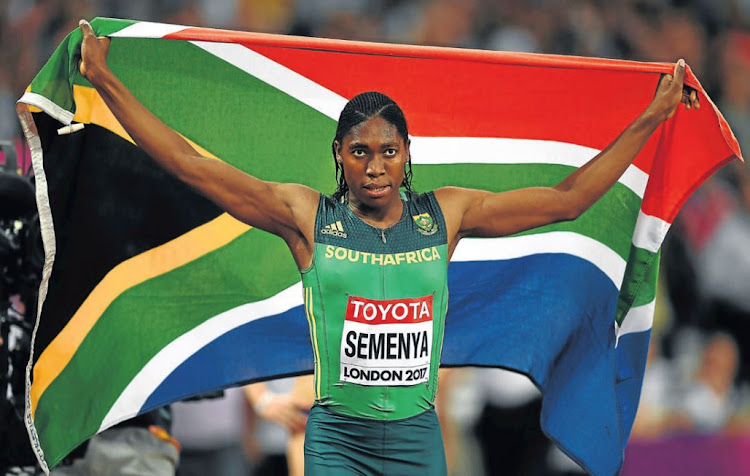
[393, 311]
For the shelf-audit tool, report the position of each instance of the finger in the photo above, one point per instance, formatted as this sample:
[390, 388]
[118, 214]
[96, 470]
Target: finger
[298, 418]
[284, 421]
[280, 417]
[694, 100]
[85, 28]
[294, 419]
[690, 98]
[104, 42]
[300, 423]
[301, 404]
[685, 99]
[293, 422]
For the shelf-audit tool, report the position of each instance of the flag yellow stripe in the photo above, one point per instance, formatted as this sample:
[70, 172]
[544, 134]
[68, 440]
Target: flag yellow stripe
[150, 264]
[31, 107]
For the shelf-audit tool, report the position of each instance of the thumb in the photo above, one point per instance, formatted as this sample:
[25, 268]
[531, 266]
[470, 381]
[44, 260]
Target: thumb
[679, 71]
[85, 28]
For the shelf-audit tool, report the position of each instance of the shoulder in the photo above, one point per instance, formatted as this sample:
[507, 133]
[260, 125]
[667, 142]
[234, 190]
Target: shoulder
[456, 197]
[298, 196]
[302, 202]
[416, 200]
[456, 202]
[296, 190]
[412, 196]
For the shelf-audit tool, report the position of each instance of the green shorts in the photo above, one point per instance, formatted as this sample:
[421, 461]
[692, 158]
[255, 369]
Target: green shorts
[342, 445]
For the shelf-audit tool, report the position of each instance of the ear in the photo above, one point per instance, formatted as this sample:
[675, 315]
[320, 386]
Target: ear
[408, 150]
[337, 151]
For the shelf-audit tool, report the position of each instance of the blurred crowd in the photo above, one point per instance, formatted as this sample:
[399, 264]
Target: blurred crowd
[698, 371]
[712, 35]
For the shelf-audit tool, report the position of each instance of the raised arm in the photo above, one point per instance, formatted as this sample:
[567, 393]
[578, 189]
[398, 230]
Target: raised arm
[286, 210]
[486, 214]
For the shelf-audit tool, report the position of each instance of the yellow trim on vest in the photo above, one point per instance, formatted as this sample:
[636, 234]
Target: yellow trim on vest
[314, 335]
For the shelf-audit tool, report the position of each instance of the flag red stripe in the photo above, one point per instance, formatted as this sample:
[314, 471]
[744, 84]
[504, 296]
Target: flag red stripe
[427, 52]
[471, 93]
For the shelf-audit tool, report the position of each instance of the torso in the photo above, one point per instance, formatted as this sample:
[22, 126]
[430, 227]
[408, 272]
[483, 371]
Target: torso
[376, 300]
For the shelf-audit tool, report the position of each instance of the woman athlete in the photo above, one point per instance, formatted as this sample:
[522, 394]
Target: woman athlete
[373, 259]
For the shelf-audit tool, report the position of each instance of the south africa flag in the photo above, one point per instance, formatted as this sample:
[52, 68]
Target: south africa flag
[152, 294]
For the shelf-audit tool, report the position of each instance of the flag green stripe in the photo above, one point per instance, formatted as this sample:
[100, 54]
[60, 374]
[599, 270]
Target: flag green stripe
[639, 284]
[603, 221]
[278, 138]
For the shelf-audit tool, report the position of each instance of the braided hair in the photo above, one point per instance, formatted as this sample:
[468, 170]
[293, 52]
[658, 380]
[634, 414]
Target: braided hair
[359, 109]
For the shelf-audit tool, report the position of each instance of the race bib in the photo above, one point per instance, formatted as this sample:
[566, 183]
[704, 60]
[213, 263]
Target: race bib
[387, 342]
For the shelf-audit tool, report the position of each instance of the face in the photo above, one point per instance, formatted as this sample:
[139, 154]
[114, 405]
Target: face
[373, 155]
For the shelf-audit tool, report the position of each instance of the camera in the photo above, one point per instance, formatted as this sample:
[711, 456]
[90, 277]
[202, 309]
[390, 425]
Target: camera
[21, 262]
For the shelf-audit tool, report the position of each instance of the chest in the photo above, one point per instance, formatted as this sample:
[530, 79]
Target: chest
[354, 258]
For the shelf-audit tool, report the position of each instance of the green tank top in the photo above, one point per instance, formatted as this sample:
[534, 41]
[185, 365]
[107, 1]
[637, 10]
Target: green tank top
[375, 300]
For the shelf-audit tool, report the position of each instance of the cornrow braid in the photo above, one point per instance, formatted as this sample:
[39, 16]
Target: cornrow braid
[359, 109]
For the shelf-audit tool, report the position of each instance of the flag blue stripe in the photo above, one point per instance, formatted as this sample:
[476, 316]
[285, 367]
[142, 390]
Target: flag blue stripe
[528, 315]
[494, 328]
[632, 353]
[274, 345]
[518, 313]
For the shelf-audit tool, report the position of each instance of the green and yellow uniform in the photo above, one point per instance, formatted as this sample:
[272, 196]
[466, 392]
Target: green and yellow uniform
[376, 301]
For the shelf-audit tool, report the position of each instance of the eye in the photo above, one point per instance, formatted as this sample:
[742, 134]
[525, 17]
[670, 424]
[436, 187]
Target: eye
[358, 153]
[391, 152]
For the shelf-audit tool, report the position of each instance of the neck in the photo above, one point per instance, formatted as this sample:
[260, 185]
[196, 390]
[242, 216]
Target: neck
[381, 217]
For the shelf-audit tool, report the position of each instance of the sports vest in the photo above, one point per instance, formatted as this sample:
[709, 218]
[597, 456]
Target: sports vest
[375, 300]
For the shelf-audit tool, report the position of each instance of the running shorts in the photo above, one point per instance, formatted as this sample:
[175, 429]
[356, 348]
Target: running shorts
[338, 444]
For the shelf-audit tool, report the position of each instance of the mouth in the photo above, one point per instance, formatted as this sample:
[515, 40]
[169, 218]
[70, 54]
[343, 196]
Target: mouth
[375, 191]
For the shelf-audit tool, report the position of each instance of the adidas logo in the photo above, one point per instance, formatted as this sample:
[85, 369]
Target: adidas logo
[334, 229]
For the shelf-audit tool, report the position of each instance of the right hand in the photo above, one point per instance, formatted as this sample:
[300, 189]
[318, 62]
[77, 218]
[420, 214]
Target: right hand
[672, 91]
[284, 410]
[93, 52]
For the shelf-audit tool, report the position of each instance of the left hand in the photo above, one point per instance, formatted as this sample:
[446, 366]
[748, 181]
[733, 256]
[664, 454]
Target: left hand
[671, 92]
[93, 53]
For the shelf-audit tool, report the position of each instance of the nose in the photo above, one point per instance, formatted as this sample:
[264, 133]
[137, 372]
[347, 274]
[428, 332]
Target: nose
[375, 167]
